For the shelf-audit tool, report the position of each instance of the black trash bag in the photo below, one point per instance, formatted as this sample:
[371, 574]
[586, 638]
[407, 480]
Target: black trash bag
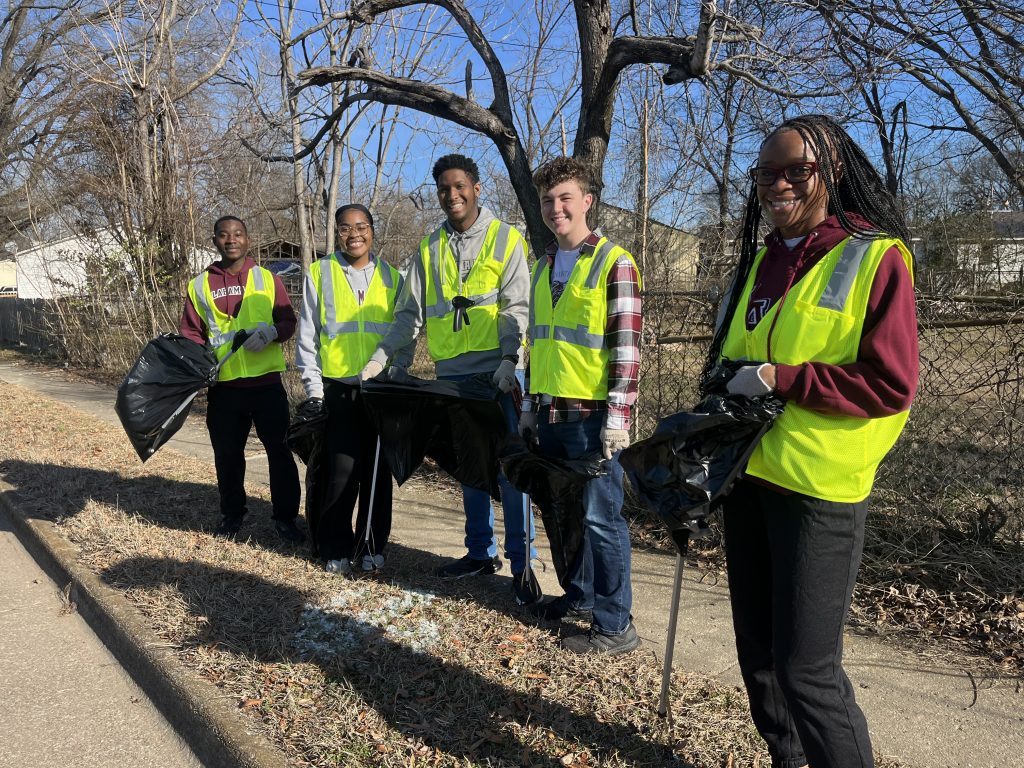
[686, 467]
[305, 438]
[556, 487]
[154, 399]
[458, 424]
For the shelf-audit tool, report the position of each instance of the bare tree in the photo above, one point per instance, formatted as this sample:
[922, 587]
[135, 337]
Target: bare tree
[143, 67]
[969, 54]
[603, 56]
[321, 136]
[36, 106]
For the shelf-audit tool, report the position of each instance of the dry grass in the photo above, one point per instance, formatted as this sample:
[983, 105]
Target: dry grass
[393, 669]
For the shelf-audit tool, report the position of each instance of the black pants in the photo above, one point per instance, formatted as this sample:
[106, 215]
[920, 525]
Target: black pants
[231, 413]
[792, 564]
[351, 445]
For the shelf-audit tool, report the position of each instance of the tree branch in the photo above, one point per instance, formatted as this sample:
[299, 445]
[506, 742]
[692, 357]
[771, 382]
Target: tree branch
[415, 94]
[364, 13]
[309, 146]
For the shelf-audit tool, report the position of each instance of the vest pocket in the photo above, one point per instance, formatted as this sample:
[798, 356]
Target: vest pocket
[818, 335]
[579, 305]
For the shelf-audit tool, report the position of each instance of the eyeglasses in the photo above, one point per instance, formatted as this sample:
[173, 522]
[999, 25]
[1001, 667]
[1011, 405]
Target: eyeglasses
[347, 229]
[797, 173]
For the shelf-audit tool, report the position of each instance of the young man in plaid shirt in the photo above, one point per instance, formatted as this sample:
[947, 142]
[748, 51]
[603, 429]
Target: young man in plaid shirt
[585, 322]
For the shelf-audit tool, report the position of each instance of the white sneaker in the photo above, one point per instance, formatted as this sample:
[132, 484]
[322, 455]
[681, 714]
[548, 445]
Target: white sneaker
[373, 562]
[342, 566]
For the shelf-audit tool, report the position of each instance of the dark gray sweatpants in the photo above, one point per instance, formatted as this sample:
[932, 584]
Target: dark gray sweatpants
[792, 563]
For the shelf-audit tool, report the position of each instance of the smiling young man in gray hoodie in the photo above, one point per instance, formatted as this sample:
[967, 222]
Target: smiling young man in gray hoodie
[480, 261]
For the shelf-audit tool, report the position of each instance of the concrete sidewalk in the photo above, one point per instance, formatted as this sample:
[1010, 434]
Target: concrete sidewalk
[920, 711]
[65, 700]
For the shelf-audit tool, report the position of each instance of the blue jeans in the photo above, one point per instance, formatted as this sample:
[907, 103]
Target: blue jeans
[601, 573]
[480, 539]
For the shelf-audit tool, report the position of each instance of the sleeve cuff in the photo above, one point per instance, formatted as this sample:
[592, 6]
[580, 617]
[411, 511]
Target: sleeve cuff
[618, 417]
[785, 378]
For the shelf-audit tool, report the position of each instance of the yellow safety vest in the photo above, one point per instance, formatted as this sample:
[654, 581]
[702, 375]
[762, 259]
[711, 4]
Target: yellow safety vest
[569, 356]
[828, 456]
[257, 310]
[442, 284]
[350, 332]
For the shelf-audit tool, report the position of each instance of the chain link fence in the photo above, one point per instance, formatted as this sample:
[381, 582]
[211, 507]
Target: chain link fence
[945, 537]
[958, 467]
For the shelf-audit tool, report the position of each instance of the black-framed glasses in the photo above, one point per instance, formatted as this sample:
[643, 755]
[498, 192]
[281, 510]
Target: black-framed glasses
[797, 173]
[347, 229]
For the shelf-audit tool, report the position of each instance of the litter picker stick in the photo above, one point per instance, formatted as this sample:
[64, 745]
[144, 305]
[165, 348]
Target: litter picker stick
[373, 492]
[670, 640]
[527, 524]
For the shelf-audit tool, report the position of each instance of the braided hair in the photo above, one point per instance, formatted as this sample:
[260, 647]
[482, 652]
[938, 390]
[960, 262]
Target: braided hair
[853, 186]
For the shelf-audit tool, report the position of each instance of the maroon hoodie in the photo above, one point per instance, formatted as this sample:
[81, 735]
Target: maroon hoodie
[227, 292]
[883, 380]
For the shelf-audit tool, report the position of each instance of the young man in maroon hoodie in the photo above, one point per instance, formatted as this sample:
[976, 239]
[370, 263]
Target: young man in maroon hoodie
[236, 296]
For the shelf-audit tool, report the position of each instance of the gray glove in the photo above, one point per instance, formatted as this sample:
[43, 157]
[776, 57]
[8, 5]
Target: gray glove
[257, 340]
[752, 381]
[528, 426]
[505, 377]
[613, 441]
[370, 371]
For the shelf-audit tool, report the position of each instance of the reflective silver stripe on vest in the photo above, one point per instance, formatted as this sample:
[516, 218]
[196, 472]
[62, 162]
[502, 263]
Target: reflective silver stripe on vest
[327, 297]
[501, 241]
[257, 278]
[579, 336]
[440, 307]
[841, 282]
[537, 273]
[385, 274]
[381, 329]
[486, 299]
[217, 337]
[597, 266]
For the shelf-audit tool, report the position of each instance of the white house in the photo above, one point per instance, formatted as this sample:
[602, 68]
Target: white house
[61, 267]
[8, 278]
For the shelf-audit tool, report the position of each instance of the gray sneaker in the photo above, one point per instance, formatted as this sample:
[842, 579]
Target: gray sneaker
[372, 562]
[598, 642]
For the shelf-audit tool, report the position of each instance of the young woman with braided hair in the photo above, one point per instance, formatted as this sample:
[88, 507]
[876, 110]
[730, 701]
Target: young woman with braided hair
[823, 312]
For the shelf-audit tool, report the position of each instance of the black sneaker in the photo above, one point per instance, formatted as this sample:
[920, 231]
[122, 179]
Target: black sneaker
[598, 642]
[526, 588]
[560, 608]
[229, 526]
[289, 531]
[467, 566]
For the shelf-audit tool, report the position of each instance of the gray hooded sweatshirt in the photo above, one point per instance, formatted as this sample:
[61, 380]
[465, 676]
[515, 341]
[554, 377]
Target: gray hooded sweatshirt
[513, 304]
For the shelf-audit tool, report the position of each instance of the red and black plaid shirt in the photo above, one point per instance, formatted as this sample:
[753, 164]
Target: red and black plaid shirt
[622, 340]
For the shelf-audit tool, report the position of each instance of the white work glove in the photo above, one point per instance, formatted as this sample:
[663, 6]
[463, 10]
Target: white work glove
[371, 370]
[613, 441]
[257, 340]
[752, 381]
[505, 377]
[528, 426]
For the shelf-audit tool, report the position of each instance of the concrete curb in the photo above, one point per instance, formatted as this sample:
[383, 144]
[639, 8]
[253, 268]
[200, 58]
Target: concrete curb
[196, 709]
